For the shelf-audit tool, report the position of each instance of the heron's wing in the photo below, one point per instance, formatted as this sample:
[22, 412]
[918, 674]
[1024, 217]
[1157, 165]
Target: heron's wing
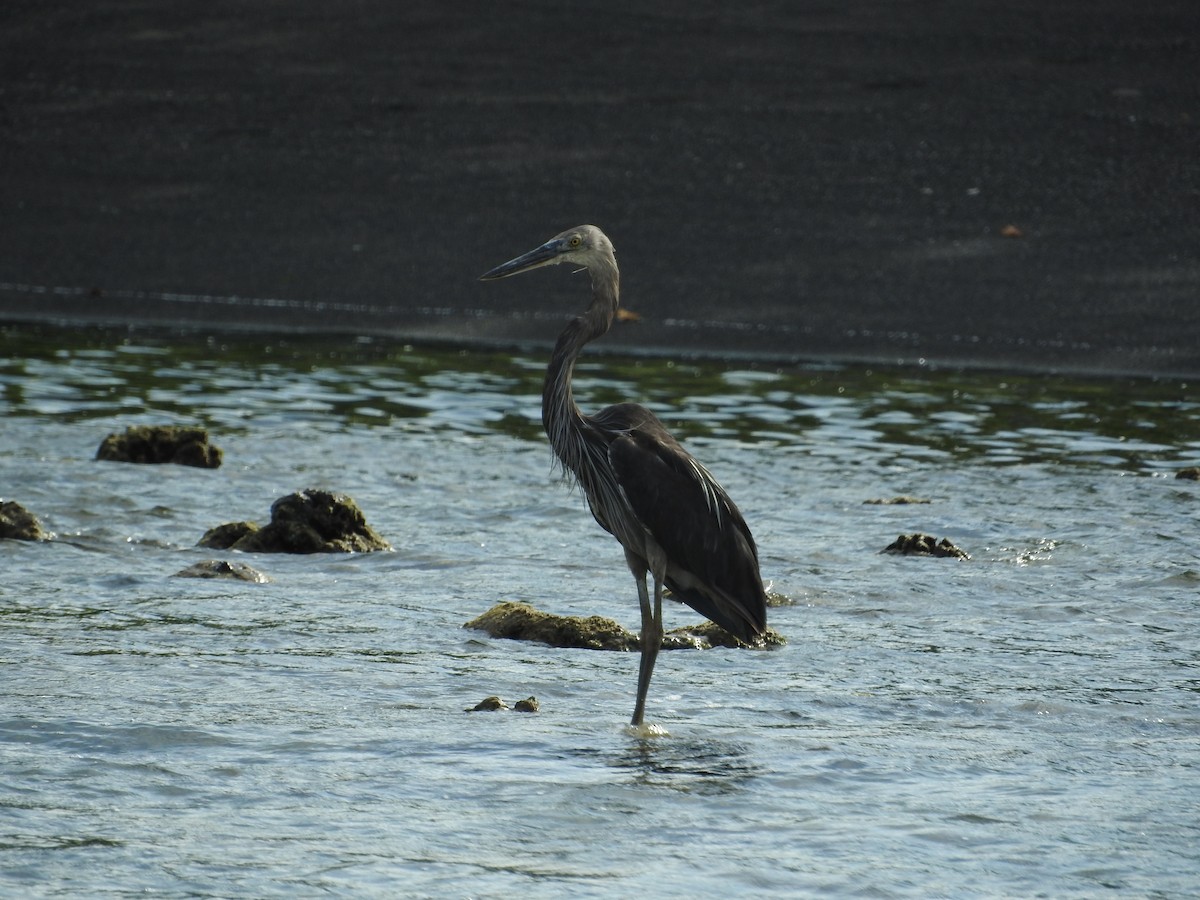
[712, 559]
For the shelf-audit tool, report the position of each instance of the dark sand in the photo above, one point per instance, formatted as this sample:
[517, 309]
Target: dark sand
[796, 181]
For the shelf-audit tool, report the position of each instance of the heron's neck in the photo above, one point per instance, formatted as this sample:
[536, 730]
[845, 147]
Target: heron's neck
[560, 415]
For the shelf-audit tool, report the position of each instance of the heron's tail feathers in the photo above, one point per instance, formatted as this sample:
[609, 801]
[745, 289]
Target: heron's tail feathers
[744, 616]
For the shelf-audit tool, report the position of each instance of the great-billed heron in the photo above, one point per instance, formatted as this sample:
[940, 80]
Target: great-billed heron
[671, 516]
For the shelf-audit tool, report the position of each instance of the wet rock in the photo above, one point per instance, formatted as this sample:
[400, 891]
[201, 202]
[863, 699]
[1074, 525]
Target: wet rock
[19, 524]
[1191, 473]
[707, 635]
[488, 704]
[176, 444]
[774, 599]
[528, 705]
[521, 622]
[227, 536]
[924, 545]
[901, 500]
[311, 521]
[315, 521]
[219, 568]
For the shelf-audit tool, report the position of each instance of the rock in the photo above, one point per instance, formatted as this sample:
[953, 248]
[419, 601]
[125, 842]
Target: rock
[1191, 473]
[19, 524]
[225, 537]
[521, 622]
[219, 568]
[326, 521]
[901, 500]
[774, 599]
[176, 444]
[492, 704]
[311, 521]
[488, 704]
[924, 545]
[707, 635]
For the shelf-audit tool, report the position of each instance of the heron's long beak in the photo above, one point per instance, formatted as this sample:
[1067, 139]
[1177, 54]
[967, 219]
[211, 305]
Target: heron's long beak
[545, 255]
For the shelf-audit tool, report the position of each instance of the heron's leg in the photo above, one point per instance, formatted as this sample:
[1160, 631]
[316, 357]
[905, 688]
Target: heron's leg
[637, 567]
[652, 642]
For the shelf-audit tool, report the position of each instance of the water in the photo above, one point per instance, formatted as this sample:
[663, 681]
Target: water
[1023, 724]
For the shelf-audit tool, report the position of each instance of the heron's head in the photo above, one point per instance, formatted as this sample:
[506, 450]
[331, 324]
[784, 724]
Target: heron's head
[585, 246]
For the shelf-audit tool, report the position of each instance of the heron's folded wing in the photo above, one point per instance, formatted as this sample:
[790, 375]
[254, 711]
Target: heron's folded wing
[707, 542]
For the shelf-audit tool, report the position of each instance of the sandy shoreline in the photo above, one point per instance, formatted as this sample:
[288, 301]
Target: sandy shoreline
[1014, 187]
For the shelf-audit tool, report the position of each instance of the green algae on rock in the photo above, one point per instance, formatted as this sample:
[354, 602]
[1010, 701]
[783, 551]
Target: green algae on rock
[19, 524]
[520, 621]
[177, 444]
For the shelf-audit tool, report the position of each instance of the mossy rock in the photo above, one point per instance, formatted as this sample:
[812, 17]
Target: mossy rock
[522, 622]
[19, 524]
[177, 444]
[495, 704]
[924, 545]
[311, 521]
[707, 635]
[227, 536]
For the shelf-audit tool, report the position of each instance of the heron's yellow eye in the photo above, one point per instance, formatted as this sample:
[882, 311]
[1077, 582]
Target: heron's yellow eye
[575, 241]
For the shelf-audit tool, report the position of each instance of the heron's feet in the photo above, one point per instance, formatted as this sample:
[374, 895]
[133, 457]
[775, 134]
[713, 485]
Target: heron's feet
[646, 730]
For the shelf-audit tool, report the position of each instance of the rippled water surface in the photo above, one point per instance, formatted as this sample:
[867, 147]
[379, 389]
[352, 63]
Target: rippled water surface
[1024, 723]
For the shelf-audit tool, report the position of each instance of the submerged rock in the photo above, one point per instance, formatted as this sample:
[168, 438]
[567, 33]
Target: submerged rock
[176, 444]
[521, 622]
[494, 704]
[901, 500]
[924, 545]
[311, 521]
[1191, 473]
[19, 524]
[219, 568]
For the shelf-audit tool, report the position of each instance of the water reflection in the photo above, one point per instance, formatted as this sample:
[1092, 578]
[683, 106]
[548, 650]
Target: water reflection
[890, 416]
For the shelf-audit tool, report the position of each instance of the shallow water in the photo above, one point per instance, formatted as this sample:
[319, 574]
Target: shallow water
[1024, 723]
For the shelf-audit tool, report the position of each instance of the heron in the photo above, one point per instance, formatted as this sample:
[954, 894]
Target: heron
[674, 521]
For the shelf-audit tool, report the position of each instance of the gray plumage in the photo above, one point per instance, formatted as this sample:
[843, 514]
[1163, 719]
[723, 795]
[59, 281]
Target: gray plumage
[671, 516]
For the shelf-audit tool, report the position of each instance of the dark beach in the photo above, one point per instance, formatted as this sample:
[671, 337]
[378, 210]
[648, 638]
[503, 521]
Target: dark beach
[1011, 185]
